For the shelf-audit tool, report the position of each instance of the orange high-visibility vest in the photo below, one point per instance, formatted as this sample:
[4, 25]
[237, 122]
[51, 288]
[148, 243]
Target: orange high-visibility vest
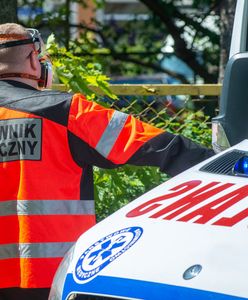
[49, 142]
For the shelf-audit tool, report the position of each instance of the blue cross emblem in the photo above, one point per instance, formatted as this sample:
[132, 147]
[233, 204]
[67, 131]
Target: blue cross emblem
[106, 249]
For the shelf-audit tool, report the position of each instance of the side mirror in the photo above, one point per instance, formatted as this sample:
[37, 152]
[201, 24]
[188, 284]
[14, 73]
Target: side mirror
[233, 116]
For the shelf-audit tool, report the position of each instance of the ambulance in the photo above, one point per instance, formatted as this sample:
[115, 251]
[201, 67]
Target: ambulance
[186, 239]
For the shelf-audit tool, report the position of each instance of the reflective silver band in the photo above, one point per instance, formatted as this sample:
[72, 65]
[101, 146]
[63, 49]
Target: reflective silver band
[46, 207]
[35, 250]
[111, 133]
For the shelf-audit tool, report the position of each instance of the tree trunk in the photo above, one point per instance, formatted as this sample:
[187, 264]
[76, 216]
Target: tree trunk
[67, 23]
[227, 9]
[8, 11]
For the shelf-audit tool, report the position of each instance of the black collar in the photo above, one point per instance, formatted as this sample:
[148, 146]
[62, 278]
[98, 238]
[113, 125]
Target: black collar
[17, 84]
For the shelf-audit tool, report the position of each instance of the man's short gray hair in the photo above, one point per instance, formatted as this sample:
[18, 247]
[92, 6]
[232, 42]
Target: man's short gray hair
[9, 57]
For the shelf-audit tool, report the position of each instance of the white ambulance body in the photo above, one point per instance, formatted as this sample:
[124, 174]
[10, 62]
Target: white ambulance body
[185, 239]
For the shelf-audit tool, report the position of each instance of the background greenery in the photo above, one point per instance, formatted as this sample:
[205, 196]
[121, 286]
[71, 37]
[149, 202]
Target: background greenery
[198, 34]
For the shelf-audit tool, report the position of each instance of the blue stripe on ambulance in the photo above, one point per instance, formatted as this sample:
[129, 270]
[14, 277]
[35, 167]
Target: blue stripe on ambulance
[129, 288]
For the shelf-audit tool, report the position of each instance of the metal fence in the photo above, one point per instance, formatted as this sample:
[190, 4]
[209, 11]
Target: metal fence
[161, 103]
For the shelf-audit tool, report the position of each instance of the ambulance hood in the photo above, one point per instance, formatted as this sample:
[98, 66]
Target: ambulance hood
[185, 239]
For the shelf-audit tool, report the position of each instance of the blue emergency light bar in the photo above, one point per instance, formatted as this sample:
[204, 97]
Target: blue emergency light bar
[241, 166]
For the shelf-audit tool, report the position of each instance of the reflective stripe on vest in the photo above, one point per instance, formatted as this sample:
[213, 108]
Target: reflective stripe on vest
[35, 250]
[111, 133]
[47, 207]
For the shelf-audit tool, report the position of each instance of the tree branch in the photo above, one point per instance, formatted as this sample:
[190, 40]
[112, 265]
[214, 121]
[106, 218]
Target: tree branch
[181, 50]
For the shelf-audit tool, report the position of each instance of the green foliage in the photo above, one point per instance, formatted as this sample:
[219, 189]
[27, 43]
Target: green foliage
[193, 125]
[116, 188]
[143, 43]
[196, 127]
[77, 73]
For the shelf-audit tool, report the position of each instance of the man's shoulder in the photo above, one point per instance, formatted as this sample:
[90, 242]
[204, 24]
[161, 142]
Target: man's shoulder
[51, 104]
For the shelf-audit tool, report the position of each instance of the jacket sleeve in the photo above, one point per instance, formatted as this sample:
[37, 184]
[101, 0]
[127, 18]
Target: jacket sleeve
[108, 138]
[171, 153]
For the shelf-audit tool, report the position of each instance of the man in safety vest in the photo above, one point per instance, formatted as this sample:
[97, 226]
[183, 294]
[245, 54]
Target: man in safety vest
[49, 142]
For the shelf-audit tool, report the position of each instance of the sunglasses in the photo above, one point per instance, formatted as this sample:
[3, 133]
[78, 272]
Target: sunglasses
[36, 39]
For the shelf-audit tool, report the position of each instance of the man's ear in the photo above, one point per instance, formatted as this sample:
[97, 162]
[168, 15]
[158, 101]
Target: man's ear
[34, 62]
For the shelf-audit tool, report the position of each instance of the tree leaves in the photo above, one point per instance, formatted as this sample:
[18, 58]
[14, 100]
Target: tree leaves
[77, 73]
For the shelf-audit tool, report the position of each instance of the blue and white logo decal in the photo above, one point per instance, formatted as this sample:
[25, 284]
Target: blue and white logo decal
[104, 251]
